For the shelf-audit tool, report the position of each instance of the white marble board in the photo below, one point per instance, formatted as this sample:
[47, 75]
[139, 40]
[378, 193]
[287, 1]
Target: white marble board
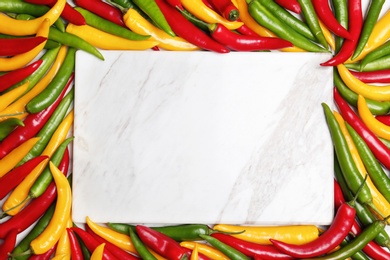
[200, 137]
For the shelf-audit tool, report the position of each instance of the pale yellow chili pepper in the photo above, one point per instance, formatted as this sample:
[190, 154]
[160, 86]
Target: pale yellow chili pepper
[19, 105]
[21, 60]
[63, 246]
[50, 236]
[138, 24]
[379, 93]
[194, 254]
[380, 202]
[11, 160]
[20, 195]
[121, 240]
[328, 35]
[103, 40]
[97, 254]
[204, 13]
[377, 127]
[206, 250]
[296, 234]
[10, 96]
[16, 27]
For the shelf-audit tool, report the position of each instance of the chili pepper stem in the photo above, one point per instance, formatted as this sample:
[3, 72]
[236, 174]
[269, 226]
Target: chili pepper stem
[352, 202]
[4, 214]
[15, 256]
[11, 115]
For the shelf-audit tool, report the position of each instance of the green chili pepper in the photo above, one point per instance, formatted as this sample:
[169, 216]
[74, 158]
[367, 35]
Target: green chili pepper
[350, 172]
[109, 27]
[376, 54]
[59, 24]
[385, 142]
[312, 21]
[369, 23]
[53, 90]
[21, 7]
[124, 3]
[139, 246]
[268, 20]
[49, 128]
[376, 107]
[359, 255]
[341, 13]
[153, 11]
[84, 249]
[8, 125]
[194, 20]
[292, 21]
[50, 44]
[44, 179]
[378, 64]
[23, 246]
[225, 249]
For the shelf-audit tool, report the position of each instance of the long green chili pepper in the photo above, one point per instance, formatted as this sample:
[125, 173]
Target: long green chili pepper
[49, 128]
[194, 20]
[382, 63]
[376, 107]
[350, 172]
[381, 51]
[373, 167]
[225, 249]
[50, 44]
[369, 23]
[139, 246]
[341, 13]
[109, 27]
[8, 125]
[21, 7]
[312, 21]
[268, 20]
[359, 255]
[59, 24]
[124, 3]
[53, 90]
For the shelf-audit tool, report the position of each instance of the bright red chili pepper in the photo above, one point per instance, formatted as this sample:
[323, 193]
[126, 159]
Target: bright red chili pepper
[9, 181]
[291, 5]
[9, 79]
[325, 14]
[385, 119]
[8, 244]
[32, 124]
[245, 30]
[77, 253]
[185, 29]
[102, 9]
[14, 46]
[69, 13]
[210, 5]
[355, 23]
[240, 42]
[45, 256]
[338, 195]
[378, 76]
[381, 152]
[175, 4]
[160, 243]
[226, 8]
[91, 243]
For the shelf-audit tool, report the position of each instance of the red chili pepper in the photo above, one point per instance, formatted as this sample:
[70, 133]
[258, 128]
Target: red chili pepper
[45, 256]
[210, 5]
[9, 181]
[175, 4]
[251, 249]
[355, 23]
[160, 243]
[338, 195]
[381, 152]
[14, 46]
[32, 125]
[240, 42]
[291, 5]
[91, 243]
[245, 30]
[385, 119]
[226, 8]
[69, 13]
[378, 76]
[325, 14]
[102, 9]
[113, 249]
[8, 244]
[77, 253]
[9, 79]
[188, 31]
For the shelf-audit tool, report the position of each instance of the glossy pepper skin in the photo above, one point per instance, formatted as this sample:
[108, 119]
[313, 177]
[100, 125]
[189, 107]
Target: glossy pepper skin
[14, 46]
[9, 79]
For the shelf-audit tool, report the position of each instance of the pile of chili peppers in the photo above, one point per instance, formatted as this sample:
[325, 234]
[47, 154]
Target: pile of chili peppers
[38, 41]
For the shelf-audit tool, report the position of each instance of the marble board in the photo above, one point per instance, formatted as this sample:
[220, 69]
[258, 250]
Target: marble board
[200, 137]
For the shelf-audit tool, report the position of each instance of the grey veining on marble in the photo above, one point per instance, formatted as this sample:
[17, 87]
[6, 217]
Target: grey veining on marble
[200, 137]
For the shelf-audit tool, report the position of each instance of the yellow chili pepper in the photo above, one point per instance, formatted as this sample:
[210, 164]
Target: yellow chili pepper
[379, 201]
[206, 250]
[12, 95]
[50, 236]
[138, 24]
[11, 160]
[107, 41]
[194, 254]
[157, 256]
[203, 12]
[380, 129]
[297, 234]
[379, 93]
[20, 60]
[61, 257]
[16, 27]
[121, 240]
[20, 195]
[63, 246]
[19, 105]
[97, 254]
[328, 35]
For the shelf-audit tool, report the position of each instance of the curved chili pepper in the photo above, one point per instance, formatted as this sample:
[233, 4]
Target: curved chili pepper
[15, 76]
[204, 249]
[102, 9]
[291, 5]
[142, 250]
[229, 251]
[176, 4]
[12, 95]
[380, 52]
[98, 253]
[14, 46]
[326, 15]
[227, 9]
[381, 152]
[160, 243]
[45, 256]
[340, 8]
[385, 119]
[355, 27]
[379, 76]
[77, 254]
[8, 125]
[8, 244]
[185, 29]
[245, 30]
[243, 42]
[63, 249]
